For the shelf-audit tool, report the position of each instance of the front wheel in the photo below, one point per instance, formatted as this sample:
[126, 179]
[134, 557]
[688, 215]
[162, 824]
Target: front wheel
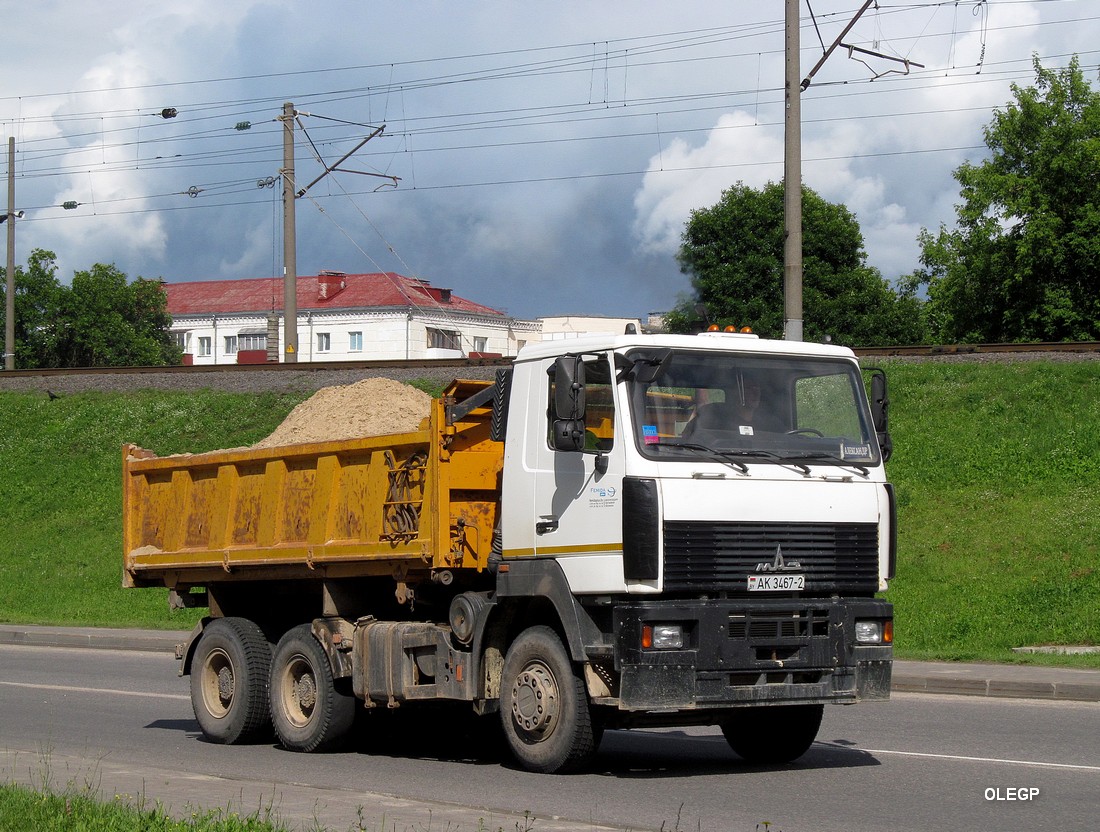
[309, 712]
[544, 706]
[770, 735]
[229, 675]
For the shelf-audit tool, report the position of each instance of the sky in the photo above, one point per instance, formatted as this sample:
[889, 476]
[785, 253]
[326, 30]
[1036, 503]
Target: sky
[541, 159]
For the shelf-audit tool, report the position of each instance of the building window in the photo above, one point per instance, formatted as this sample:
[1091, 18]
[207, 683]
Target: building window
[480, 343]
[355, 342]
[182, 339]
[204, 344]
[230, 344]
[324, 342]
[444, 339]
[252, 342]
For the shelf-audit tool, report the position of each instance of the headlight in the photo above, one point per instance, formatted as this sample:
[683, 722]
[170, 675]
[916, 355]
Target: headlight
[662, 636]
[874, 632]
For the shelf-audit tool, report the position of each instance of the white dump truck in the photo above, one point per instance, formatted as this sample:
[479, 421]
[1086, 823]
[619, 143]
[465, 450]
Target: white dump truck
[619, 532]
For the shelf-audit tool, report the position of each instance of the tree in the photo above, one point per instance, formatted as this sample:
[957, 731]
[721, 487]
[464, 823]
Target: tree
[36, 293]
[100, 320]
[1023, 263]
[734, 254]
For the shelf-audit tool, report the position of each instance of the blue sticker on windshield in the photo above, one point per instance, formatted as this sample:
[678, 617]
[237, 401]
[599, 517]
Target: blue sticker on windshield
[649, 434]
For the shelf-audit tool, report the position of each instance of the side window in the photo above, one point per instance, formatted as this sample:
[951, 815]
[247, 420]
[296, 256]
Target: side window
[599, 413]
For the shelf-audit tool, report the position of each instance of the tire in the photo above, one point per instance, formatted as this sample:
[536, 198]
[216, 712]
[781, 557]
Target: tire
[771, 735]
[309, 711]
[544, 706]
[229, 677]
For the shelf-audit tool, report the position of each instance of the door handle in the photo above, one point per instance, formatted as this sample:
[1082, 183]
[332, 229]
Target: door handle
[546, 526]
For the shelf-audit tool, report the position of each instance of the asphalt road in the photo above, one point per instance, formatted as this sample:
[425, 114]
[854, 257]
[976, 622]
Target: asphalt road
[121, 723]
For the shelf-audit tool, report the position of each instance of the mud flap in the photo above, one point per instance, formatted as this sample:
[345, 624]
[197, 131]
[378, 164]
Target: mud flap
[873, 680]
[657, 687]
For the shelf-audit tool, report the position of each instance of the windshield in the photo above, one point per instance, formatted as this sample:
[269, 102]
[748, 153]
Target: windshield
[739, 408]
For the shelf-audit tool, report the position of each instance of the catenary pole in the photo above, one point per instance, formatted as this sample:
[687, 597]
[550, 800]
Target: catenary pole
[792, 178]
[9, 296]
[290, 243]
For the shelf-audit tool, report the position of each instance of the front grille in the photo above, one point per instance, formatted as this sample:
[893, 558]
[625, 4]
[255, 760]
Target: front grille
[767, 625]
[834, 557]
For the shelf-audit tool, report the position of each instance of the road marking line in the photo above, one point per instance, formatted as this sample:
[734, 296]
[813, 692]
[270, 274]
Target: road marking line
[72, 689]
[1035, 763]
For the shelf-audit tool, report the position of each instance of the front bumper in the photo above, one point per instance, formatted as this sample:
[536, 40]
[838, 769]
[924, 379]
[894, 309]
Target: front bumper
[747, 652]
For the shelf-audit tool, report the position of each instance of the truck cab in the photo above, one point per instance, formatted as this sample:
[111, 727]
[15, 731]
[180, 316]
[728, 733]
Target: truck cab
[712, 515]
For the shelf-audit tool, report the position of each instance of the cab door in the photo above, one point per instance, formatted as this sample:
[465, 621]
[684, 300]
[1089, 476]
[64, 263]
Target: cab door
[578, 493]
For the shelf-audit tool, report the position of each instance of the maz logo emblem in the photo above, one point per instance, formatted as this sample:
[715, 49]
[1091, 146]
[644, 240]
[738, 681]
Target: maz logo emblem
[778, 564]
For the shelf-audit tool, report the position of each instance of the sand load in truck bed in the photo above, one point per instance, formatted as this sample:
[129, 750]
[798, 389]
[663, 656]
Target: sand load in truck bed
[371, 407]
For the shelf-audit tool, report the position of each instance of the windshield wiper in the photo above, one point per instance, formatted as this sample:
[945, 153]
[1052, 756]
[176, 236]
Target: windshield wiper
[706, 451]
[833, 458]
[774, 457]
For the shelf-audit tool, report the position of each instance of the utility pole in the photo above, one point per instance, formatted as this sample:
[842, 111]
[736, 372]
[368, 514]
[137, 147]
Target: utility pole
[290, 242]
[9, 295]
[792, 154]
[792, 179]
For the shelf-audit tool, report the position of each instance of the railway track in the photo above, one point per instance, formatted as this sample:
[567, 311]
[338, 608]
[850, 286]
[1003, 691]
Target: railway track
[984, 349]
[302, 367]
[480, 367]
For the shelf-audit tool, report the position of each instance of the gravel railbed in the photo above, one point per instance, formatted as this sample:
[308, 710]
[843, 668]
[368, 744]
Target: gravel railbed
[309, 380]
[1052, 357]
[250, 381]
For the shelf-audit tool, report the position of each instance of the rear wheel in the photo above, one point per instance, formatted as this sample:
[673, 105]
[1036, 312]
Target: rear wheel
[309, 710]
[543, 704]
[229, 676]
[776, 734]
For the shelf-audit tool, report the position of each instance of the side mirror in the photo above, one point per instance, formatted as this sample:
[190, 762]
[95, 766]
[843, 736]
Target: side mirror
[568, 435]
[569, 403]
[880, 405]
[569, 387]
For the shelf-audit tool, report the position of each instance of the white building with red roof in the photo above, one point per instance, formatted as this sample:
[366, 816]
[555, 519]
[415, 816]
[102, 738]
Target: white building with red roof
[341, 317]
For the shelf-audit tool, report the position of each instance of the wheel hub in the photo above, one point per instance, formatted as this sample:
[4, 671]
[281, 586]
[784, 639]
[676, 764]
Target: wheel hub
[225, 684]
[305, 691]
[535, 701]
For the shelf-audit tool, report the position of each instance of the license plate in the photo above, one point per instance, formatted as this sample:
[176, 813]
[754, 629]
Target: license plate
[776, 583]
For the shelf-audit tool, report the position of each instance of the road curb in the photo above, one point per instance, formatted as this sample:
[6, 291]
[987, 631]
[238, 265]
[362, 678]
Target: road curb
[1008, 681]
[1005, 681]
[99, 638]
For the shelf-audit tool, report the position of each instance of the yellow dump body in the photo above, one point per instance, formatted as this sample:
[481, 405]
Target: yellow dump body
[401, 505]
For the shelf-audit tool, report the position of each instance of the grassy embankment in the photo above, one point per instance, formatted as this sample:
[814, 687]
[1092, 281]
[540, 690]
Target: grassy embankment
[996, 468]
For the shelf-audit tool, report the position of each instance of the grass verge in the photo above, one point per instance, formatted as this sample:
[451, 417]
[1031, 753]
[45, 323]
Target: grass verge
[23, 809]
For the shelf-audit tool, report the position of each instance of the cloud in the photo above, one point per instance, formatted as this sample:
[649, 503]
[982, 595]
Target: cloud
[683, 177]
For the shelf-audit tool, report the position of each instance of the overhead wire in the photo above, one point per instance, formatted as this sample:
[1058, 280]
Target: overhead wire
[438, 309]
[34, 161]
